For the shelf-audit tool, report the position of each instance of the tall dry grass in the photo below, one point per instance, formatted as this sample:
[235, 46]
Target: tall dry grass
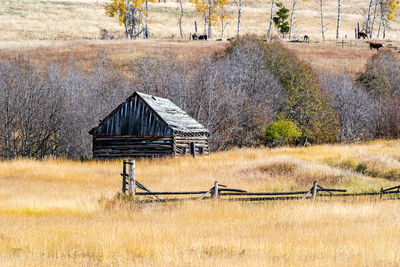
[83, 19]
[64, 213]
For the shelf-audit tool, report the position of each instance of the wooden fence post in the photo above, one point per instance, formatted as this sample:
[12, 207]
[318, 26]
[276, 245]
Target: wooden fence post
[134, 176]
[124, 178]
[216, 190]
[132, 180]
[381, 193]
[314, 190]
[193, 149]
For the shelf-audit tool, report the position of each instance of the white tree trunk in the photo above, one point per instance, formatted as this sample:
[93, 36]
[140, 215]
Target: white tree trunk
[384, 28]
[209, 20]
[381, 20]
[180, 19]
[146, 31]
[291, 20]
[322, 19]
[205, 23]
[222, 23]
[367, 29]
[373, 20]
[270, 19]
[239, 17]
[338, 19]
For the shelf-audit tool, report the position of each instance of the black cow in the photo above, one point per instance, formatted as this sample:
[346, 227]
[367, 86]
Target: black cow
[363, 35]
[203, 37]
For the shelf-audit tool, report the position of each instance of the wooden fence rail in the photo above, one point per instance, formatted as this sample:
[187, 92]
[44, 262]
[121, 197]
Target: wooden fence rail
[220, 190]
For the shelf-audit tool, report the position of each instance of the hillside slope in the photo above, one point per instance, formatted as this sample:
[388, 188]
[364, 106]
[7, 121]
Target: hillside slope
[83, 19]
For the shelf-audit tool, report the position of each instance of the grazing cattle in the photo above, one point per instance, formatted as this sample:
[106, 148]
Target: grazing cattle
[375, 45]
[232, 39]
[363, 35]
[306, 38]
[202, 37]
[195, 36]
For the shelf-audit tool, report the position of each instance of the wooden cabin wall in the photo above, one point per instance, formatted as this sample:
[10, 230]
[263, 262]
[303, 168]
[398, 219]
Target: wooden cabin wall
[182, 144]
[108, 147]
[134, 118]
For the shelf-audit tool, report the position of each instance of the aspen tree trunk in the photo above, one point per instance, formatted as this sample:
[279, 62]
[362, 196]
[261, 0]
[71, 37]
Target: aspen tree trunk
[180, 19]
[209, 20]
[222, 23]
[373, 20]
[146, 32]
[322, 20]
[381, 20]
[270, 19]
[384, 28]
[239, 17]
[291, 19]
[126, 28]
[205, 23]
[338, 19]
[140, 23]
[367, 30]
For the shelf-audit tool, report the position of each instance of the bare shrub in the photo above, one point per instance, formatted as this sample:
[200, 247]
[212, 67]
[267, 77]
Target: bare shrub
[354, 107]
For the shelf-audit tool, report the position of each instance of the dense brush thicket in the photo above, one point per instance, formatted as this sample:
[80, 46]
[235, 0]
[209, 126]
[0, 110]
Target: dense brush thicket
[236, 94]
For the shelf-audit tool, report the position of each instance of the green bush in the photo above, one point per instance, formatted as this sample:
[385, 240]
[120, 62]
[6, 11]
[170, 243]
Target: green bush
[281, 132]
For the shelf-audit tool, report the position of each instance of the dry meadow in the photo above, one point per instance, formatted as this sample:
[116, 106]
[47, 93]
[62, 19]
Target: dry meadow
[59, 212]
[83, 19]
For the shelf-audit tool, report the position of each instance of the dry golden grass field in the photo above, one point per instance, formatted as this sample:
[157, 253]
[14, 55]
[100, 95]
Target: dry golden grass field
[64, 213]
[328, 57]
[83, 19]
[61, 29]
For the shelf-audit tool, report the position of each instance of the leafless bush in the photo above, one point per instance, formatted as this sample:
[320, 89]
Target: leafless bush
[31, 104]
[233, 96]
[354, 107]
[381, 80]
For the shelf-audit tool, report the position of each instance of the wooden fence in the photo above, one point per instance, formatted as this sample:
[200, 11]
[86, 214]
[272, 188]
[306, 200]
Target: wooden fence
[220, 191]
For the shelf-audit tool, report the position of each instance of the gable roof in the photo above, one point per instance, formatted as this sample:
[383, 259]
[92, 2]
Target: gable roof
[173, 116]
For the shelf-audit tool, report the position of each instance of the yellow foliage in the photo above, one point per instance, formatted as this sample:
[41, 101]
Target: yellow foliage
[213, 9]
[392, 8]
[119, 7]
[222, 13]
[116, 7]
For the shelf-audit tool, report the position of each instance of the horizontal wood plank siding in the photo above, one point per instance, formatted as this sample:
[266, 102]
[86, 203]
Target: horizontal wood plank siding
[182, 144]
[131, 147]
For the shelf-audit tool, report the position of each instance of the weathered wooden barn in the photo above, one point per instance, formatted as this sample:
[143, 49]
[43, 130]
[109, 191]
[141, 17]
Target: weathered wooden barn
[148, 126]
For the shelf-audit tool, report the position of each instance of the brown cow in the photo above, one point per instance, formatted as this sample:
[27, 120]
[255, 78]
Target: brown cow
[363, 35]
[375, 45]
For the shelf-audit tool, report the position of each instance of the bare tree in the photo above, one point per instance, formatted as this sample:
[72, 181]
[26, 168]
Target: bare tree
[270, 18]
[239, 8]
[322, 19]
[381, 19]
[338, 19]
[146, 10]
[180, 18]
[373, 20]
[355, 109]
[291, 19]
[367, 27]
